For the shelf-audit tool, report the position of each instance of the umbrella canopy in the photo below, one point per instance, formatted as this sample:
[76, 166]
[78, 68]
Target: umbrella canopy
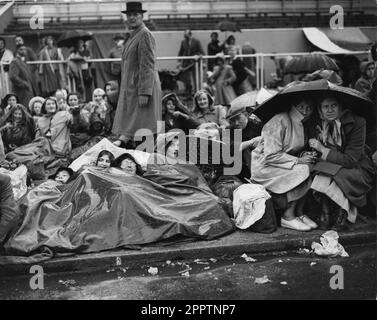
[351, 99]
[252, 98]
[69, 38]
[310, 63]
[227, 25]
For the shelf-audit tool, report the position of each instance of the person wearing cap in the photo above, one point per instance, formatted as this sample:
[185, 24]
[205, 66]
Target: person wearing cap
[115, 67]
[365, 82]
[239, 118]
[139, 105]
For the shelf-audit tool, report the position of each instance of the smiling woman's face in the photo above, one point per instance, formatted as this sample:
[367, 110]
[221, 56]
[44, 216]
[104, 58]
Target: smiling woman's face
[50, 106]
[104, 162]
[330, 109]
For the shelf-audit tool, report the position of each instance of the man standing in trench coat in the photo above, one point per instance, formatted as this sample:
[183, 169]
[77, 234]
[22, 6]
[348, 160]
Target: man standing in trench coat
[139, 104]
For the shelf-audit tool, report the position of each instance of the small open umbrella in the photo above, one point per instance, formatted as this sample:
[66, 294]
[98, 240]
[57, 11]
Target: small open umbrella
[351, 99]
[252, 98]
[310, 63]
[69, 38]
[227, 25]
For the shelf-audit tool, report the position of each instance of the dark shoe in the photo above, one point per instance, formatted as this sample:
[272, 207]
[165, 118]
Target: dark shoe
[341, 221]
[324, 221]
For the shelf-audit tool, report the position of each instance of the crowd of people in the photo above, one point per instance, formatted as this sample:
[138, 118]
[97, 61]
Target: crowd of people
[314, 150]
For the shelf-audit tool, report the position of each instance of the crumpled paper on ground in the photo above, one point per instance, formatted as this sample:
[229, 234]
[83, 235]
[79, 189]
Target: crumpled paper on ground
[329, 245]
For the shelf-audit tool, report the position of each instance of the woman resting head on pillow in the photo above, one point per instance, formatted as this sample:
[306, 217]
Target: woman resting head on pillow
[127, 163]
[105, 159]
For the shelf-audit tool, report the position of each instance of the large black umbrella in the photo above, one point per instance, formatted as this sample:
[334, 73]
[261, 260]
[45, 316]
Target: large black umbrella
[351, 99]
[227, 25]
[69, 38]
[310, 63]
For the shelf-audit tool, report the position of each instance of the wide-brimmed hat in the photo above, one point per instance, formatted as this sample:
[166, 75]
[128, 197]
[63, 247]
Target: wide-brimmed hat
[133, 6]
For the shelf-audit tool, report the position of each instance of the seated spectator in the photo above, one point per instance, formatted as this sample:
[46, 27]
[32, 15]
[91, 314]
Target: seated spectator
[61, 99]
[341, 142]
[205, 111]
[100, 103]
[9, 101]
[8, 211]
[17, 128]
[176, 115]
[35, 108]
[239, 118]
[365, 82]
[279, 165]
[223, 78]
[80, 120]
[112, 96]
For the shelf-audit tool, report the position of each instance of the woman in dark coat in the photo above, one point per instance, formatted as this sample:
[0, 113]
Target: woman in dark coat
[17, 128]
[347, 173]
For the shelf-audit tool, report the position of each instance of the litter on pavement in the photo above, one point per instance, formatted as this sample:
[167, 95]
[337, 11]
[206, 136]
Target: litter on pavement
[329, 246]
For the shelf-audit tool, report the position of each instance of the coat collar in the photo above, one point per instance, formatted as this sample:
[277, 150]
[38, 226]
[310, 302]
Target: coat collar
[347, 117]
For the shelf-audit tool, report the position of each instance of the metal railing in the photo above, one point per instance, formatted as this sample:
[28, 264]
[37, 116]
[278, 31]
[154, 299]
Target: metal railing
[199, 63]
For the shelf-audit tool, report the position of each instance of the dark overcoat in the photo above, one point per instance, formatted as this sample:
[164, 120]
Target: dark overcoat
[139, 77]
[356, 177]
[22, 80]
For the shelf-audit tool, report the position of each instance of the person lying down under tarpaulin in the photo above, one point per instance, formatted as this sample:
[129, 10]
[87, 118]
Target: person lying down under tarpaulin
[103, 210]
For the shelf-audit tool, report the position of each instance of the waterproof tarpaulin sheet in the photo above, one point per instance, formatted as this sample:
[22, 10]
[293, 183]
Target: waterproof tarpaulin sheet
[320, 40]
[102, 210]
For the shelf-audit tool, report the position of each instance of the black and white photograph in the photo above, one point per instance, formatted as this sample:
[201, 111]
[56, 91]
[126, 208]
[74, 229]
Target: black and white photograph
[188, 156]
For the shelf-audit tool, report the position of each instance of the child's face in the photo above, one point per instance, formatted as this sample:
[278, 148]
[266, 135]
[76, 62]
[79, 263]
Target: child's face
[37, 108]
[62, 177]
[104, 162]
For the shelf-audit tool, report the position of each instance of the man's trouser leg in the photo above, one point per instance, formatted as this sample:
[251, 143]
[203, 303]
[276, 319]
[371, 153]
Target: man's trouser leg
[8, 211]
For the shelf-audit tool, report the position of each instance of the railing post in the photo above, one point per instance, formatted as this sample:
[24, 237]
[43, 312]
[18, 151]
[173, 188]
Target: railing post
[262, 71]
[257, 73]
[197, 85]
[201, 72]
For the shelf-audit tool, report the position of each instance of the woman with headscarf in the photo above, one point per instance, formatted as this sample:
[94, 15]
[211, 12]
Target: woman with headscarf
[279, 165]
[365, 82]
[346, 173]
[223, 77]
[176, 115]
[112, 95]
[17, 128]
[205, 110]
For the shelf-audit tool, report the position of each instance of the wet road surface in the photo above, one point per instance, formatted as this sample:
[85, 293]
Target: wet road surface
[284, 275]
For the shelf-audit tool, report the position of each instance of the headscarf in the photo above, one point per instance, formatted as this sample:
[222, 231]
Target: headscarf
[330, 131]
